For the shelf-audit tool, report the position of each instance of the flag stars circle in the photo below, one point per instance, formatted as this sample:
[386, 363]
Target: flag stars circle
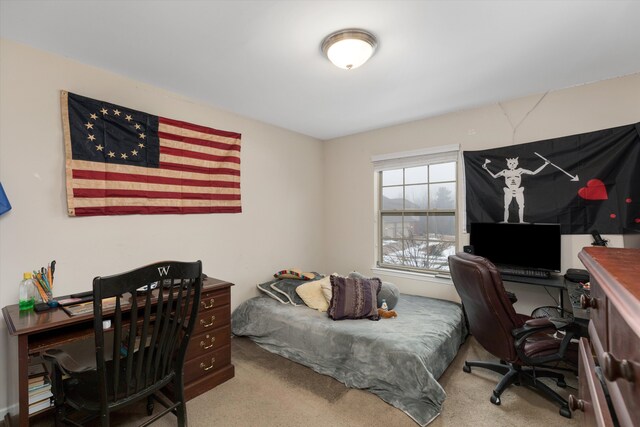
[111, 154]
[137, 126]
[128, 117]
[134, 152]
[116, 112]
[89, 125]
[142, 135]
[93, 116]
[91, 137]
[124, 156]
[104, 111]
[141, 145]
[99, 147]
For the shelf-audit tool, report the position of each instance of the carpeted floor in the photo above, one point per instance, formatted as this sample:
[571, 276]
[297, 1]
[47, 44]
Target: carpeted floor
[269, 390]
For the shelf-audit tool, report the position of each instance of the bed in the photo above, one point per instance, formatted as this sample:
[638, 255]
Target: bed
[398, 359]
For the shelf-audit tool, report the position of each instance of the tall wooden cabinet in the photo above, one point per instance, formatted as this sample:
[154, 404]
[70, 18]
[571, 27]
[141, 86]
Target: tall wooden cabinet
[610, 358]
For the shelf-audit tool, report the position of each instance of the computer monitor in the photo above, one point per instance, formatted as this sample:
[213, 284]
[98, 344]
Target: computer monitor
[530, 246]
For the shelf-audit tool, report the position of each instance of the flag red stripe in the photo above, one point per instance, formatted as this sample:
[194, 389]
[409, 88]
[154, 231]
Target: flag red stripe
[151, 179]
[198, 128]
[195, 155]
[93, 193]
[199, 169]
[198, 141]
[128, 210]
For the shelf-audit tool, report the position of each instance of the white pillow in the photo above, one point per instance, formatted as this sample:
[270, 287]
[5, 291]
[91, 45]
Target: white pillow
[311, 294]
[325, 284]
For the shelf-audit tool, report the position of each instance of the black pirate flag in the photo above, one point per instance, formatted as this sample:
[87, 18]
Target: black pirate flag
[585, 182]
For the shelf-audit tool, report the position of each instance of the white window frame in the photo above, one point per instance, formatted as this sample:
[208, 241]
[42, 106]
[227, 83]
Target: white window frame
[407, 159]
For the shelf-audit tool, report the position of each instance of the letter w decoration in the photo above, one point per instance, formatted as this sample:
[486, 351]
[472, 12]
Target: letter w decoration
[163, 271]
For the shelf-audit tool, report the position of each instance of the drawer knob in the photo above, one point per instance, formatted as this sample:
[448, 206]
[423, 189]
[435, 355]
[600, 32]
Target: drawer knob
[205, 324]
[614, 369]
[205, 305]
[575, 404]
[205, 367]
[588, 302]
[204, 345]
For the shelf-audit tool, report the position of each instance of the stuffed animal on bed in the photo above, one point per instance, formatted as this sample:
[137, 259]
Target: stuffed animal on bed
[387, 314]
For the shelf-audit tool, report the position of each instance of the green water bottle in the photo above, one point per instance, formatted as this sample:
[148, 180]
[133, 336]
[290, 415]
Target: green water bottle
[27, 290]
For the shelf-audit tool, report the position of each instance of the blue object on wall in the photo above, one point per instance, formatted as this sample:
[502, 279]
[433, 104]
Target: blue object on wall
[5, 206]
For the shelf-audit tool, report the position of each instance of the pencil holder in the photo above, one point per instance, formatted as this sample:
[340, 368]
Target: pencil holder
[50, 300]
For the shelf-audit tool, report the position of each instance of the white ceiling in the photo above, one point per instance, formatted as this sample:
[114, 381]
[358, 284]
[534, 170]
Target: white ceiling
[262, 59]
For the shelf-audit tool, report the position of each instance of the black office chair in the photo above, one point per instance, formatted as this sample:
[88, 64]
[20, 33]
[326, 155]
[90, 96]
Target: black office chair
[140, 353]
[523, 345]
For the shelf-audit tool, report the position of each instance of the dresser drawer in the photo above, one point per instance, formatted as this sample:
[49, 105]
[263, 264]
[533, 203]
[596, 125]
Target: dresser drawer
[207, 364]
[209, 320]
[623, 382]
[208, 342]
[598, 314]
[214, 299]
[591, 400]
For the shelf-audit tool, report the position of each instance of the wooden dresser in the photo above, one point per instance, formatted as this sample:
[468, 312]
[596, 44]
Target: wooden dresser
[208, 360]
[610, 358]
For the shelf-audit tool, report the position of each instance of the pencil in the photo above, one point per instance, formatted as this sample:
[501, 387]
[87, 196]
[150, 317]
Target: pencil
[46, 282]
[41, 291]
[41, 281]
[50, 277]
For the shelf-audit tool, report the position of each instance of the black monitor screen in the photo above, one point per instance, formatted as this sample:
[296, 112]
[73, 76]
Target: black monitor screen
[535, 246]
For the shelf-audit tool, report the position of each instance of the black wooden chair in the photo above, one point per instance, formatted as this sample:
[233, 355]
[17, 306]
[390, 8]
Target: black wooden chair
[140, 353]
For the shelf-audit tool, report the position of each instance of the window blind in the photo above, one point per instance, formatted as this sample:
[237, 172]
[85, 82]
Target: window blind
[407, 159]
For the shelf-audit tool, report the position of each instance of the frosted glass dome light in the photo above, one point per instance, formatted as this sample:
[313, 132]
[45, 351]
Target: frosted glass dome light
[349, 49]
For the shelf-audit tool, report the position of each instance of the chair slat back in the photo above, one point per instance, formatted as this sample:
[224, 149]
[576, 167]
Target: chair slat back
[147, 341]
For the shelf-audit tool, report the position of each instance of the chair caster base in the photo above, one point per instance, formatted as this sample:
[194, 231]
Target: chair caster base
[495, 399]
[466, 368]
[565, 412]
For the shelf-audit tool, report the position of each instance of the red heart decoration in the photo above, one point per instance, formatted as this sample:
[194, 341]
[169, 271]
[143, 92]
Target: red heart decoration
[595, 190]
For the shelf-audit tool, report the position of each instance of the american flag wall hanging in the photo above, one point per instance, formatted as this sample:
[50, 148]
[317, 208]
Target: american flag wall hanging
[121, 161]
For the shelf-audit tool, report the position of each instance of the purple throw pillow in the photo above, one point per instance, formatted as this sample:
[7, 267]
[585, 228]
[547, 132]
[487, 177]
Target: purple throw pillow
[354, 298]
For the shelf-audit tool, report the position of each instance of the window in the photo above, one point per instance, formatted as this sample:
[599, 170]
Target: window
[416, 210]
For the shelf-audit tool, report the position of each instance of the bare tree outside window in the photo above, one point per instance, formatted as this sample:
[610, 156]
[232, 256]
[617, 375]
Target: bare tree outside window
[418, 217]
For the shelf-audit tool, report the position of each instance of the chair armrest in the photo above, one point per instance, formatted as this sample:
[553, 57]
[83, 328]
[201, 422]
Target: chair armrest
[533, 326]
[540, 324]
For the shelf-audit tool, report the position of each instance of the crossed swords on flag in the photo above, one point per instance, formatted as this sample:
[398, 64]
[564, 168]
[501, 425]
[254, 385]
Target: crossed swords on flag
[573, 178]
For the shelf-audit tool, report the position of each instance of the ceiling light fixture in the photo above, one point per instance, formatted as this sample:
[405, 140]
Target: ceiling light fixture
[349, 48]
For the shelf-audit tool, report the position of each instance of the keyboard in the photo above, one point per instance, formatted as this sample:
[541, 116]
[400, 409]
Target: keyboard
[525, 272]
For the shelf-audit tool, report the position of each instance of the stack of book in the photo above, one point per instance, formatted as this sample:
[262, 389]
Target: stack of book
[39, 388]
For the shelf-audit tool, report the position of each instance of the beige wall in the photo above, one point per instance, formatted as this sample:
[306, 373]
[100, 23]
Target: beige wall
[349, 184]
[305, 203]
[282, 181]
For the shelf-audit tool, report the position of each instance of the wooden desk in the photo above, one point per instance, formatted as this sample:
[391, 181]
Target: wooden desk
[614, 339]
[208, 360]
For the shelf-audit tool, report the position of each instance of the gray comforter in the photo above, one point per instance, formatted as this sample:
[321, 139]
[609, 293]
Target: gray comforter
[398, 359]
